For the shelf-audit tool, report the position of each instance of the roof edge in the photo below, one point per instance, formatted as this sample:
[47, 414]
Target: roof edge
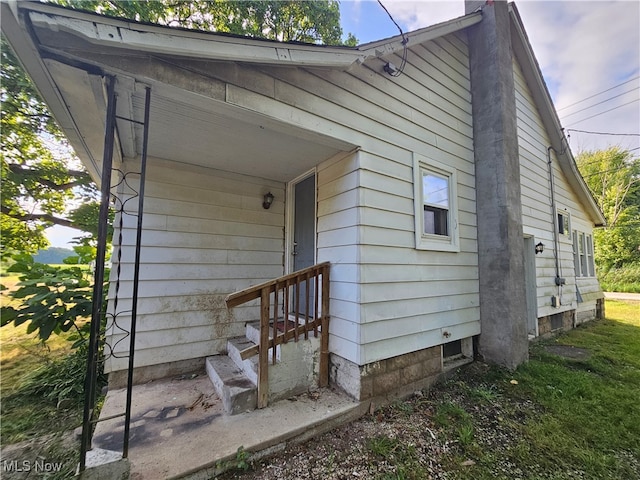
[393, 44]
[161, 39]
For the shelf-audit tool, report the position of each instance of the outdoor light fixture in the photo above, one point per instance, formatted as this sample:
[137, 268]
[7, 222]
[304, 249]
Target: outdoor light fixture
[539, 248]
[268, 200]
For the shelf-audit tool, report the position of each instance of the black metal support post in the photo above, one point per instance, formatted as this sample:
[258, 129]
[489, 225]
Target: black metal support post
[136, 272]
[96, 312]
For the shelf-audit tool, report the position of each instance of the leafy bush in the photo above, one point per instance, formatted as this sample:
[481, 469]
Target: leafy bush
[625, 279]
[61, 380]
[52, 298]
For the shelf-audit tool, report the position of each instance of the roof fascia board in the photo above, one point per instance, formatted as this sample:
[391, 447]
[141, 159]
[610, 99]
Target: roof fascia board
[535, 80]
[28, 55]
[110, 32]
[394, 44]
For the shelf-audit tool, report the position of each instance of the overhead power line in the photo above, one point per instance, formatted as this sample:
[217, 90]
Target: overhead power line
[604, 133]
[606, 111]
[600, 93]
[600, 103]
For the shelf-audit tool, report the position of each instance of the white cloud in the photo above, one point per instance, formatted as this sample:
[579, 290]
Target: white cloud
[582, 47]
[419, 14]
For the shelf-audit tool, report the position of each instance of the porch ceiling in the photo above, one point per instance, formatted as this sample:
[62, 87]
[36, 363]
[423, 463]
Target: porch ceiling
[184, 127]
[214, 134]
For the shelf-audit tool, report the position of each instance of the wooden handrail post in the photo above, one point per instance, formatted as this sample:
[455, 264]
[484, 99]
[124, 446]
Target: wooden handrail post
[310, 276]
[324, 338]
[263, 352]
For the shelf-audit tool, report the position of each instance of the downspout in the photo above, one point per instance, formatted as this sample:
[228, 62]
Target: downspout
[554, 228]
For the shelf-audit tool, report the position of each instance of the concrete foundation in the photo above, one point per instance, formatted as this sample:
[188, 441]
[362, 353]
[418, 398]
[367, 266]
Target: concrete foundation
[395, 377]
[298, 369]
[503, 313]
[600, 312]
[105, 465]
[558, 322]
[146, 374]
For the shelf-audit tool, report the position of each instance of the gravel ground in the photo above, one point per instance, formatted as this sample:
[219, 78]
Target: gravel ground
[430, 435]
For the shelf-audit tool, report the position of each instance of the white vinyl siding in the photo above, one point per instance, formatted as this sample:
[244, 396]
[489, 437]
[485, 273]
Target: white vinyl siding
[387, 298]
[205, 235]
[538, 215]
[383, 294]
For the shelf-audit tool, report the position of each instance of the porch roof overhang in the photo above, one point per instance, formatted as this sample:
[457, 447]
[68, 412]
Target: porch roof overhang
[533, 75]
[195, 118]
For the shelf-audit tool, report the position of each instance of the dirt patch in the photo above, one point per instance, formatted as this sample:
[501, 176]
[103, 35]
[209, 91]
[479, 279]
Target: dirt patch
[568, 351]
[427, 436]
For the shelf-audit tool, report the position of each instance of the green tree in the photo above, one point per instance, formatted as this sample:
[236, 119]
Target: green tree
[37, 183]
[39, 186]
[613, 176]
[316, 21]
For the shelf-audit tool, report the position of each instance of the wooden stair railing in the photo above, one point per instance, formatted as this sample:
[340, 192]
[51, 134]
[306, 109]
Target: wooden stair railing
[283, 294]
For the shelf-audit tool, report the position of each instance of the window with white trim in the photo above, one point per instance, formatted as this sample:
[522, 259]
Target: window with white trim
[589, 249]
[435, 202]
[576, 257]
[583, 255]
[583, 262]
[564, 223]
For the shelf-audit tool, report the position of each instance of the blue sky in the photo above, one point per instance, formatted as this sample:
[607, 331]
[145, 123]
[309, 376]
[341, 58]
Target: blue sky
[583, 48]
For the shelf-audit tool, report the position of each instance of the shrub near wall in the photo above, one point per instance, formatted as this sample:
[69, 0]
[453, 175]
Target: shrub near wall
[625, 279]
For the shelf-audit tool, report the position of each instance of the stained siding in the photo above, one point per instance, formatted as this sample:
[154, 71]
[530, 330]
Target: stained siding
[537, 213]
[365, 202]
[205, 236]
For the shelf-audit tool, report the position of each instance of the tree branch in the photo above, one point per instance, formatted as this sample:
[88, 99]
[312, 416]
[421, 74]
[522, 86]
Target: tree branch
[42, 217]
[82, 178]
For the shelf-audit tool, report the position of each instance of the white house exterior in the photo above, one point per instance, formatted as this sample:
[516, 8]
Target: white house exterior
[388, 162]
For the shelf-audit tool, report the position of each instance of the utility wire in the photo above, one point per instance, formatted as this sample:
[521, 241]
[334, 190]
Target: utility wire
[616, 169]
[606, 111]
[599, 93]
[600, 103]
[605, 133]
[405, 40]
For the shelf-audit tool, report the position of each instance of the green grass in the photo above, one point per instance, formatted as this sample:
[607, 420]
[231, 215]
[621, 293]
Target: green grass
[584, 418]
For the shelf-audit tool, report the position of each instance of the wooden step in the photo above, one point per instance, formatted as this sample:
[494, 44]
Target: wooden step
[237, 392]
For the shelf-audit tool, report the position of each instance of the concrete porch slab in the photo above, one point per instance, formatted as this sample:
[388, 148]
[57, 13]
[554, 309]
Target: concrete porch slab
[179, 430]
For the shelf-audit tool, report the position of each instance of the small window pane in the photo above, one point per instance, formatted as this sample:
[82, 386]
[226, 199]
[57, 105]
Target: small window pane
[563, 224]
[435, 190]
[592, 270]
[435, 221]
[576, 257]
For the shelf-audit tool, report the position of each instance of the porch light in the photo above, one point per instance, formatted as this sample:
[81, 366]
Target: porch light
[267, 201]
[539, 248]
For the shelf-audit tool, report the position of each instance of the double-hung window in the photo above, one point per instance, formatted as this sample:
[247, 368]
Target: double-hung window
[582, 252]
[576, 256]
[435, 201]
[592, 270]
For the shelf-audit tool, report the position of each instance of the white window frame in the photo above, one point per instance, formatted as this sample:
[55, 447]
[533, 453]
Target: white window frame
[425, 241]
[576, 257]
[582, 253]
[566, 235]
[589, 252]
